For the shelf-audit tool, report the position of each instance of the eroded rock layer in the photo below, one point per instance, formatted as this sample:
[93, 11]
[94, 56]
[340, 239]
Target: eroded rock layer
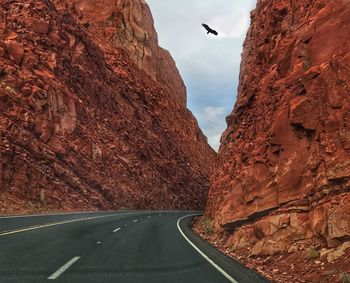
[128, 24]
[89, 117]
[286, 151]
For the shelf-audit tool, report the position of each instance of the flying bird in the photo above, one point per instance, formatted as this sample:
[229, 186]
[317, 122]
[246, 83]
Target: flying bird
[209, 30]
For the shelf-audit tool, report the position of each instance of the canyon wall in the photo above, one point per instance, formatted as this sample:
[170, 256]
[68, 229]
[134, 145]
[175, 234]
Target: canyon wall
[283, 173]
[92, 111]
[128, 24]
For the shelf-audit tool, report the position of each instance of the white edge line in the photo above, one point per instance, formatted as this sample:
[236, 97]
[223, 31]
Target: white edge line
[53, 224]
[116, 230]
[56, 214]
[56, 274]
[73, 213]
[218, 268]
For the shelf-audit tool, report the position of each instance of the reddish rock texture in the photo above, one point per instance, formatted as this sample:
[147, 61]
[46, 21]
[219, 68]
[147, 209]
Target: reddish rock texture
[283, 173]
[306, 262]
[85, 123]
[127, 24]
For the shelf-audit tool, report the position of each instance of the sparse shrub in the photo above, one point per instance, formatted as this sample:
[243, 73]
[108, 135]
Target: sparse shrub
[307, 65]
[312, 253]
[34, 207]
[345, 277]
[208, 225]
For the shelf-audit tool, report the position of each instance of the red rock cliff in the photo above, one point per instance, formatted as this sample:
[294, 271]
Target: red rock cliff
[286, 151]
[93, 112]
[128, 24]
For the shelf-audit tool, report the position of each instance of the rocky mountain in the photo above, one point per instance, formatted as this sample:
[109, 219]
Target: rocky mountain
[93, 112]
[283, 174]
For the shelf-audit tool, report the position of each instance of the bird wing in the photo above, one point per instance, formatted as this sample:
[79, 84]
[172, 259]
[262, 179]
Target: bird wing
[206, 27]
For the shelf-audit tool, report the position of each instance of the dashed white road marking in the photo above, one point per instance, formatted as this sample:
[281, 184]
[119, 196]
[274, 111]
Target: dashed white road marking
[53, 224]
[98, 243]
[116, 230]
[53, 214]
[149, 216]
[56, 274]
[218, 268]
[134, 221]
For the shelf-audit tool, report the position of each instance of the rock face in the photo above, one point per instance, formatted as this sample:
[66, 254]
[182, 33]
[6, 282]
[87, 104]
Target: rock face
[127, 24]
[92, 111]
[284, 162]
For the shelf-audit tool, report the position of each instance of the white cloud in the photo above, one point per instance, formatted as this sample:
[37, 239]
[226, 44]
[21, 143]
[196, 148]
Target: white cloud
[228, 27]
[214, 140]
[212, 121]
[211, 114]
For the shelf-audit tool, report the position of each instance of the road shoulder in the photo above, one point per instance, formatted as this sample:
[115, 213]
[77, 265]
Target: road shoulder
[235, 269]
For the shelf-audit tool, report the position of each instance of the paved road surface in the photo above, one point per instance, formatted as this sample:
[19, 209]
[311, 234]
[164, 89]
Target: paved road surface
[125, 247]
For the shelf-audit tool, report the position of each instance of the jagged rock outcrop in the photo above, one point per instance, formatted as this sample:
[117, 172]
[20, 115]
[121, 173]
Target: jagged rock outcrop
[284, 163]
[127, 24]
[85, 121]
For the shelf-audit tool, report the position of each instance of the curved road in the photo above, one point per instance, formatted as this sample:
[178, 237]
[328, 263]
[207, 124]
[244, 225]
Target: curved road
[125, 247]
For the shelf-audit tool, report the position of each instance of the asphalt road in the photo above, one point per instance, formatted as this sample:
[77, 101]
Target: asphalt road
[125, 247]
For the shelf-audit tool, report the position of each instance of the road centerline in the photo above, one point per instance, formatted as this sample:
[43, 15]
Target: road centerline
[62, 269]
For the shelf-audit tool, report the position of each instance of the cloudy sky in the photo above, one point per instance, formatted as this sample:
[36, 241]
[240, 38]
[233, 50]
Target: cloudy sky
[209, 65]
